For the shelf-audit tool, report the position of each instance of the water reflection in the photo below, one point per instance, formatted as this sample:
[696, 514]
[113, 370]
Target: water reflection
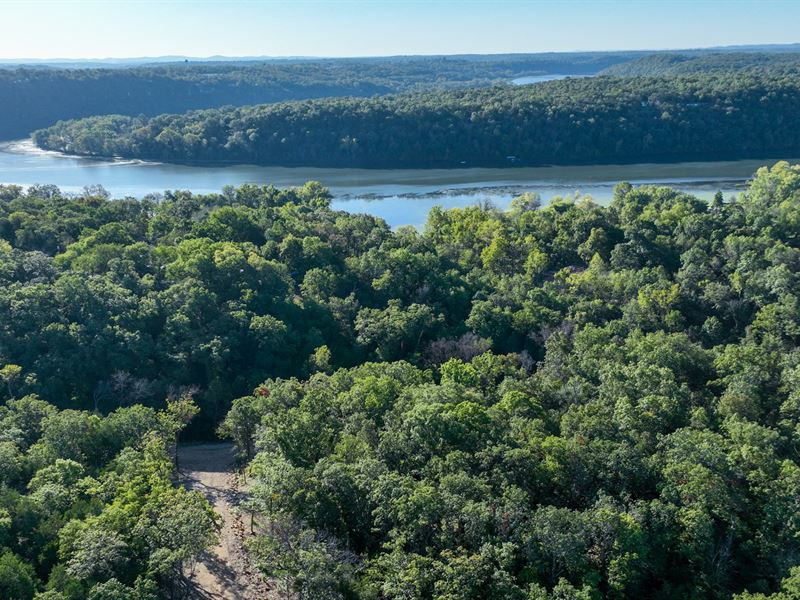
[401, 197]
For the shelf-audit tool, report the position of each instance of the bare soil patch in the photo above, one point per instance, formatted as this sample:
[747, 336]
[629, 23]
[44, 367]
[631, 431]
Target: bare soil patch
[225, 571]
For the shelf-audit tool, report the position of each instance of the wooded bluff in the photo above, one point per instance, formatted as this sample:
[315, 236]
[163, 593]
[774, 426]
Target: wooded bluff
[598, 120]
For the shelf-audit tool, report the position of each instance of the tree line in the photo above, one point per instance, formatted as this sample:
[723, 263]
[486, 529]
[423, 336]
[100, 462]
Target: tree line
[573, 121]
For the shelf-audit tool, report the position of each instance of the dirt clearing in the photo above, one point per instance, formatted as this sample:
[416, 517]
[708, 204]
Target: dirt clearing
[226, 570]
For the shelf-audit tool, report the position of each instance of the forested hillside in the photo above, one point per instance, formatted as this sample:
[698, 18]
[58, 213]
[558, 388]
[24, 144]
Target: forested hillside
[582, 120]
[661, 64]
[37, 97]
[561, 402]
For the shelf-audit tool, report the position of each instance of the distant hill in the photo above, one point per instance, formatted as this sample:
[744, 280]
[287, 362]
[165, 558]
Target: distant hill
[78, 63]
[37, 96]
[40, 94]
[684, 64]
[573, 121]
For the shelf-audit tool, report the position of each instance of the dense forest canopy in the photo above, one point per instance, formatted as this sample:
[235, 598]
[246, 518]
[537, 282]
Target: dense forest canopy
[578, 120]
[683, 64]
[37, 97]
[572, 401]
[88, 508]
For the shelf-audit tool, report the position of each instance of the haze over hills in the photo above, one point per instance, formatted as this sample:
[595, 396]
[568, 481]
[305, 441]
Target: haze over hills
[111, 62]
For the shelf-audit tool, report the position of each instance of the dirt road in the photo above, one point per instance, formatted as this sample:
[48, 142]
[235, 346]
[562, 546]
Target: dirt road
[225, 572]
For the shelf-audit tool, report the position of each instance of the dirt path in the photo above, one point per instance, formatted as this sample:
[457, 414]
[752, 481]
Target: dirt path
[225, 571]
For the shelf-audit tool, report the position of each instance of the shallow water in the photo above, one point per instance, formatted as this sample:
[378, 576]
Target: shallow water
[528, 79]
[401, 197]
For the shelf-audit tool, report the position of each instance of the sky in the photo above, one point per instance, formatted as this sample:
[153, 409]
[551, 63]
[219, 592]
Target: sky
[127, 28]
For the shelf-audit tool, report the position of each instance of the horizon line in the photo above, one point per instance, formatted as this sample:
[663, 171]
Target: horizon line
[220, 57]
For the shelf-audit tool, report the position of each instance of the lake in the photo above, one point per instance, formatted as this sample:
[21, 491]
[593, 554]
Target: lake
[401, 197]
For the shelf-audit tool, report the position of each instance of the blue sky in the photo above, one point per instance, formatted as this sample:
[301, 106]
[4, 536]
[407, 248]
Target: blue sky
[123, 28]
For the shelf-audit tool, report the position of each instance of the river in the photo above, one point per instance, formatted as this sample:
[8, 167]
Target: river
[401, 197]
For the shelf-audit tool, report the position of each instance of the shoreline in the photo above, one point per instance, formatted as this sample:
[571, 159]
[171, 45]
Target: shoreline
[654, 162]
[668, 173]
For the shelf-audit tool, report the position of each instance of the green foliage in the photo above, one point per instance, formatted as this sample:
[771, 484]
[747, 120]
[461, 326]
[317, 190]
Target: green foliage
[576, 401]
[715, 62]
[17, 579]
[36, 98]
[637, 441]
[88, 508]
[700, 115]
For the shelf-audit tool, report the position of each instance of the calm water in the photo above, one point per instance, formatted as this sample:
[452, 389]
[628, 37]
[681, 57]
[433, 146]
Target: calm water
[528, 79]
[401, 197]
